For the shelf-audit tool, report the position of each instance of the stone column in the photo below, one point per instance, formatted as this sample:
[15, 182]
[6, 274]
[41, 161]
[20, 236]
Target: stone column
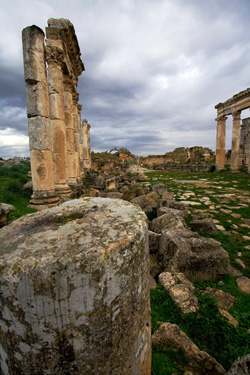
[80, 141]
[245, 142]
[76, 135]
[55, 55]
[75, 291]
[220, 143]
[86, 146]
[68, 112]
[235, 142]
[38, 118]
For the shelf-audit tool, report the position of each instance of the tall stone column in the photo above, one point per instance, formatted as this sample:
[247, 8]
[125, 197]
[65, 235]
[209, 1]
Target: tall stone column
[235, 142]
[70, 142]
[86, 146]
[55, 55]
[37, 99]
[76, 135]
[245, 142]
[220, 143]
[80, 141]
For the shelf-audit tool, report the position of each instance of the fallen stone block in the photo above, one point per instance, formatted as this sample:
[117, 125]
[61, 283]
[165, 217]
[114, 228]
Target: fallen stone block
[172, 219]
[164, 210]
[143, 202]
[181, 290]
[200, 362]
[5, 210]
[160, 189]
[205, 226]
[199, 258]
[154, 241]
[241, 366]
[243, 284]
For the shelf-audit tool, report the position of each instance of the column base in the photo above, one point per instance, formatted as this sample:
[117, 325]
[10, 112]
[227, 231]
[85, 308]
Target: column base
[76, 188]
[43, 199]
[63, 191]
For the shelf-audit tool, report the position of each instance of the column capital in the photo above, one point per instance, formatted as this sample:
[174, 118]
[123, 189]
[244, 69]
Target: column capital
[68, 83]
[54, 55]
[75, 98]
[221, 119]
[236, 115]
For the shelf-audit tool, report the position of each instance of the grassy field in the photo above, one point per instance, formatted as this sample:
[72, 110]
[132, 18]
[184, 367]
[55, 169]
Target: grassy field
[12, 180]
[224, 197]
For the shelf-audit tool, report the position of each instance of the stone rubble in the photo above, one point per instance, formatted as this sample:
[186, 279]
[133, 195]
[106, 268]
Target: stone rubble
[200, 362]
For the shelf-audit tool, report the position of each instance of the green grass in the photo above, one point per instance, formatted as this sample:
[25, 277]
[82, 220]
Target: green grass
[11, 188]
[207, 328]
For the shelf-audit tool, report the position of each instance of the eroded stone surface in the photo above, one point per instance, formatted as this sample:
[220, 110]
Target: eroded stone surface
[74, 283]
[5, 210]
[241, 366]
[205, 226]
[197, 257]
[200, 362]
[243, 284]
[181, 290]
[171, 219]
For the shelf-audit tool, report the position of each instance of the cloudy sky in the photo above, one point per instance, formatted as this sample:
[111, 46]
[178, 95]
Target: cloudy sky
[154, 69]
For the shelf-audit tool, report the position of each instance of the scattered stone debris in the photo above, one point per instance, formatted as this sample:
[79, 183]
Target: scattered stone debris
[5, 210]
[200, 362]
[243, 284]
[199, 258]
[205, 226]
[181, 290]
[241, 366]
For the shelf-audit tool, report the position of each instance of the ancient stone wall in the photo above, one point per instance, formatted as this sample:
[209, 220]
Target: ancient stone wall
[244, 142]
[232, 106]
[56, 141]
[190, 159]
[75, 291]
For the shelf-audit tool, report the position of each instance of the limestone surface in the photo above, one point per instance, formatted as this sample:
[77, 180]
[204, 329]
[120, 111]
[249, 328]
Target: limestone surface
[5, 210]
[74, 286]
[200, 362]
[197, 257]
[180, 290]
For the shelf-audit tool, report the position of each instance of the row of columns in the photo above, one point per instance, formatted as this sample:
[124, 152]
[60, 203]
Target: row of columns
[220, 143]
[54, 118]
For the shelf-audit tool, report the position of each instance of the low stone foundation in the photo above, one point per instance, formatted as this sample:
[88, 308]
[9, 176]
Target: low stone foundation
[75, 292]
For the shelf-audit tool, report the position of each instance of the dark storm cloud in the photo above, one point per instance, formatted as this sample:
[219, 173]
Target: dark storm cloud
[154, 69]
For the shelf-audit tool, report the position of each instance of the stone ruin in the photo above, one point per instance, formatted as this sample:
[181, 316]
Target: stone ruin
[75, 291]
[74, 278]
[190, 159]
[240, 134]
[59, 145]
[244, 153]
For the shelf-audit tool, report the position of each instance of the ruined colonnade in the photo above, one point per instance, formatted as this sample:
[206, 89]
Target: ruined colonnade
[54, 116]
[232, 106]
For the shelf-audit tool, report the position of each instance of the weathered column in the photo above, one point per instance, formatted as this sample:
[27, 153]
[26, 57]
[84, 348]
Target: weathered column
[76, 135]
[86, 146]
[220, 143]
[245, 142]
[55, 55]
[75, 291]
[80, 141]
[37, 100]
[235, 142]
[68, 112]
